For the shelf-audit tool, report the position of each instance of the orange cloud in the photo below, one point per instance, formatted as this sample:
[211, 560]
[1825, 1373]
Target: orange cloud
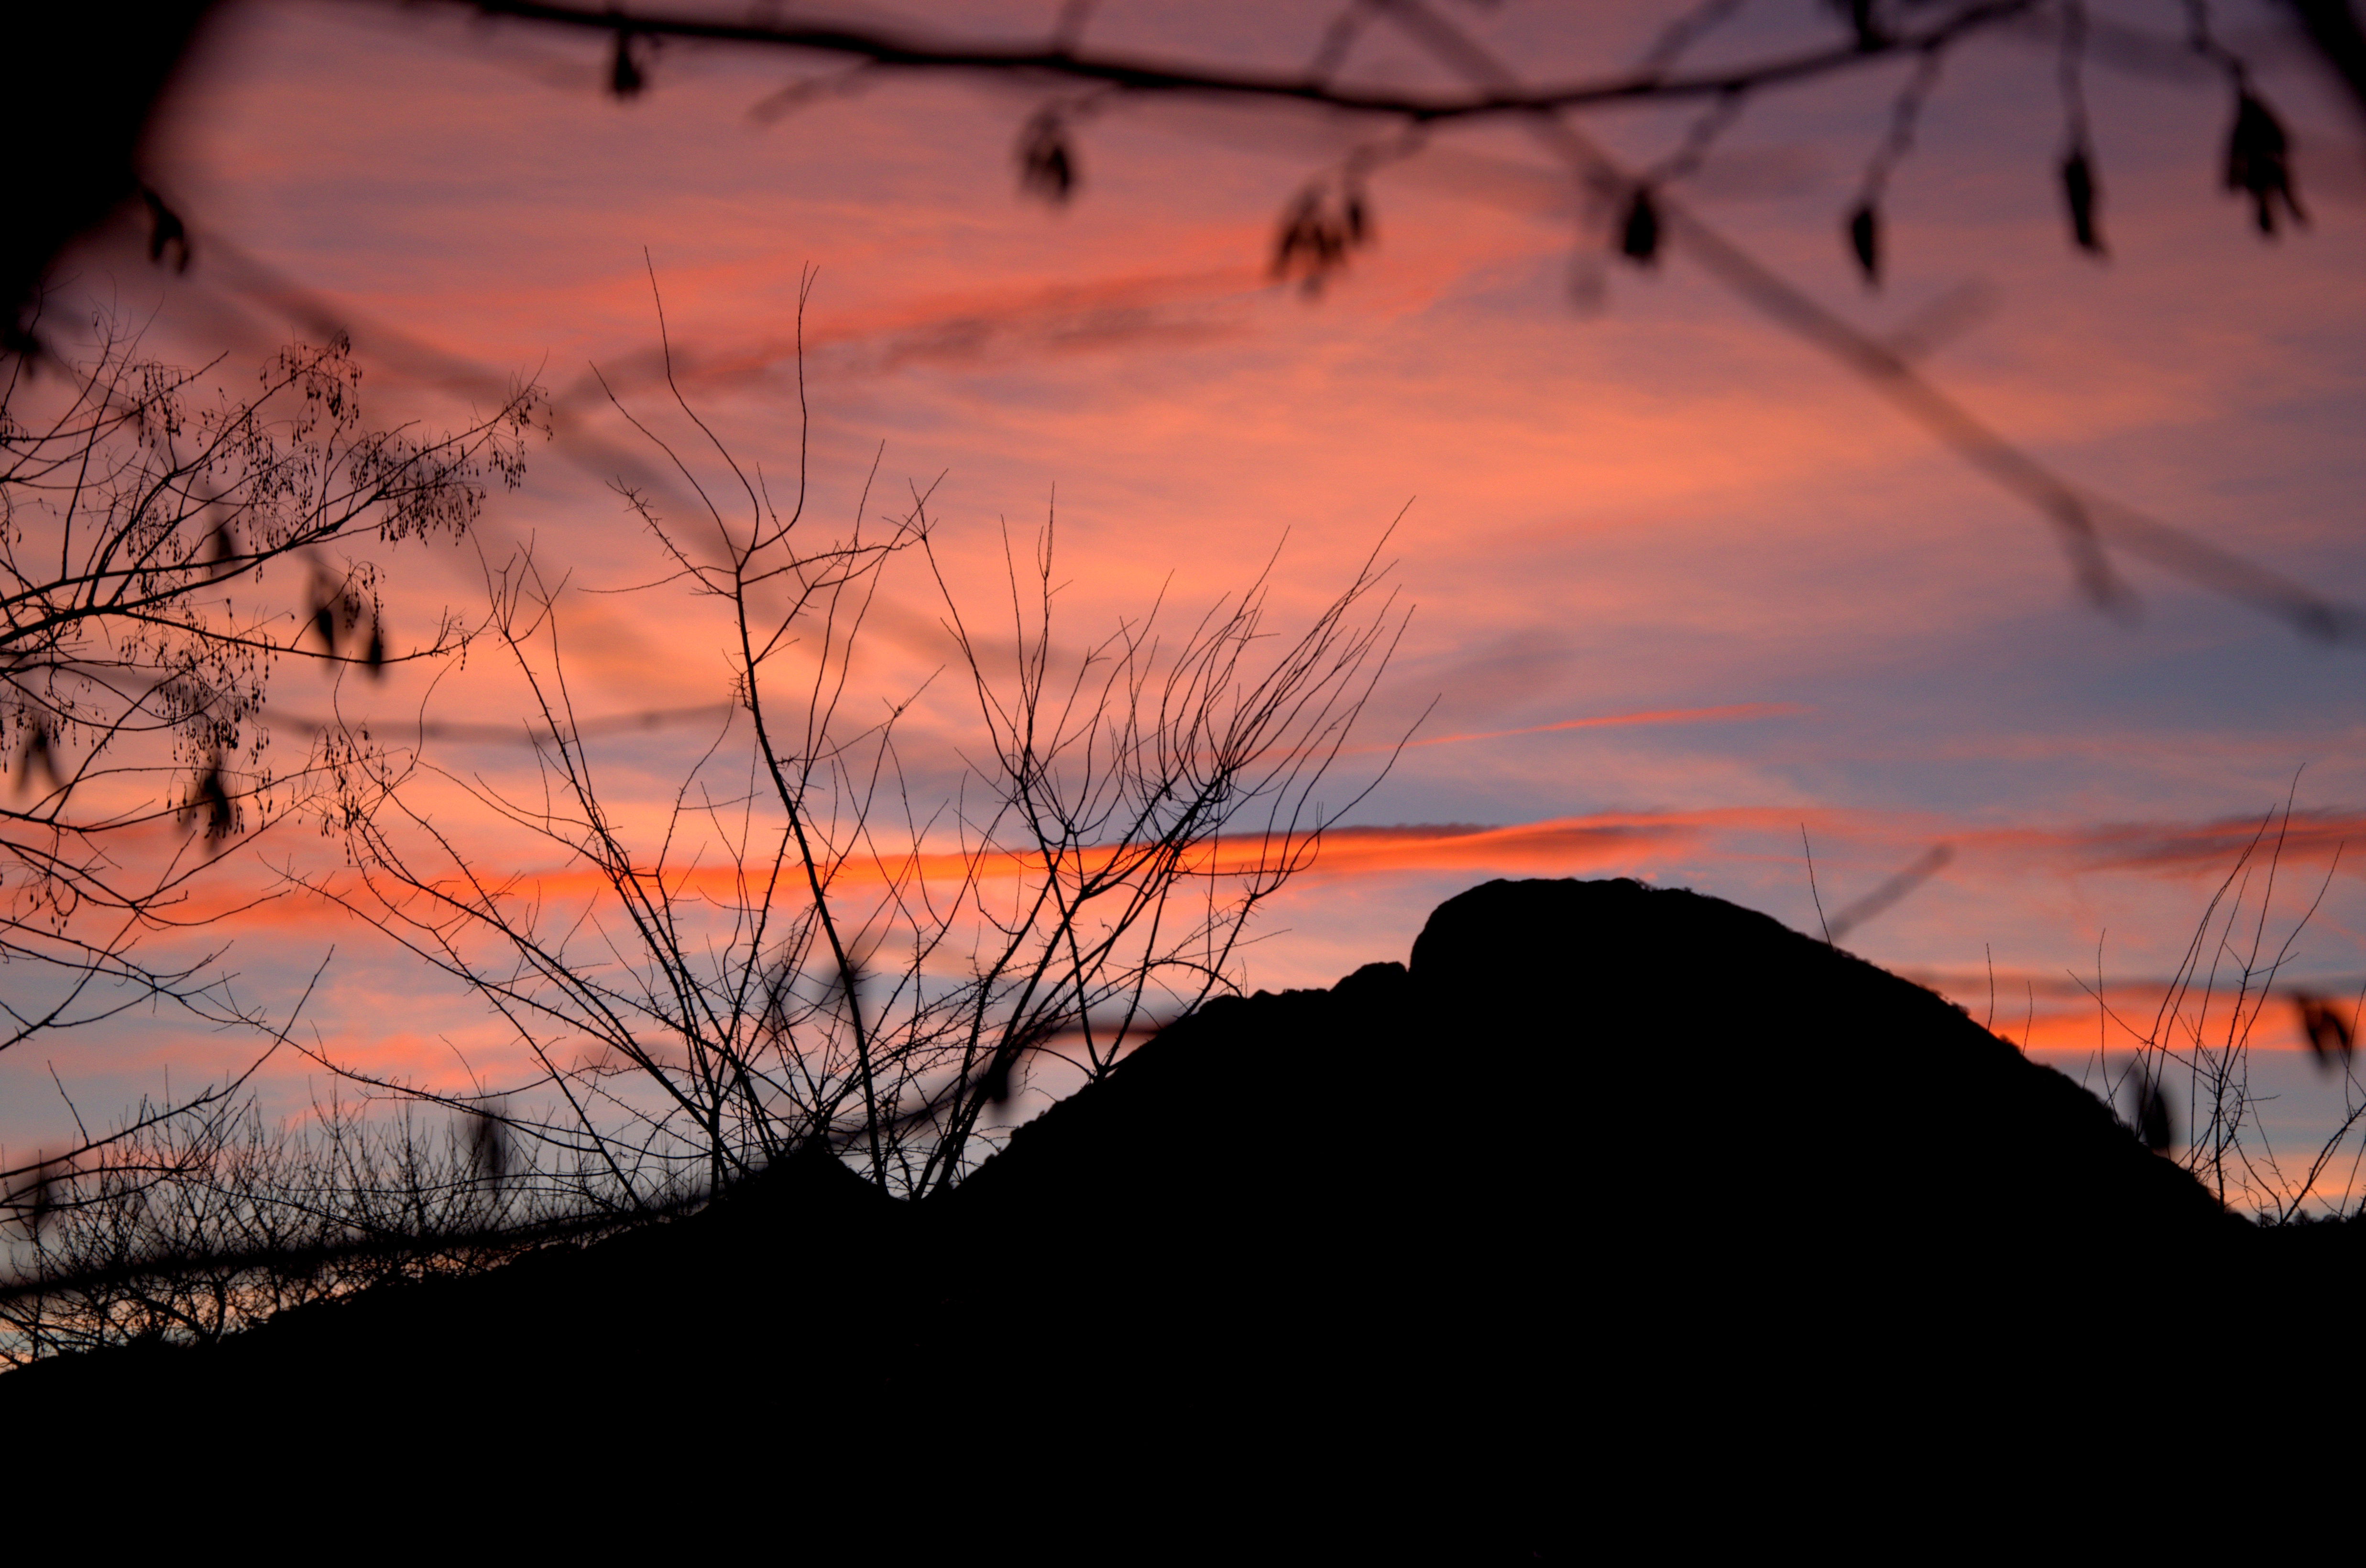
[2056, 1016]
[1553, 847]
[1568, 845]
[1556, 847]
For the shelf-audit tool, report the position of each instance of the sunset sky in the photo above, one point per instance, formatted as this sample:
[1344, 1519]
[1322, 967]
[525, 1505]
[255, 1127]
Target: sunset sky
[1683, 589]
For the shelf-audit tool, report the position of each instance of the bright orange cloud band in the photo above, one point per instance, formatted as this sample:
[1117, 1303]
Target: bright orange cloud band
[1560, 845]
[1556, 846]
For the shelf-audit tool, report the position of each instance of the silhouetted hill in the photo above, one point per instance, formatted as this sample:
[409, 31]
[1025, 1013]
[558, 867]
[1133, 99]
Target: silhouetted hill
[1343, 1262]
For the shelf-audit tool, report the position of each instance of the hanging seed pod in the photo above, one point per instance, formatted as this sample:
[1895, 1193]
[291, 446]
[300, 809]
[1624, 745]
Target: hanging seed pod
[493, 1147]
[1297, 234]
[625, 79]
[2156, 1126]
[1864, 241]
[2079, 189]
[1321, 226]
[35, 755]
[1859, 14]
[997, 1083]
[2149, 1116]
[1639, 232]
[165, 233]
[2328, 1033]
[1046, 167]
[209, 801]
[39, 1200]
[2259, 163]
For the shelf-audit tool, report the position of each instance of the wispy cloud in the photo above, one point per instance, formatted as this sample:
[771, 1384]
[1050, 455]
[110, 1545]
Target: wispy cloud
[1731, 712]
[2312, 837]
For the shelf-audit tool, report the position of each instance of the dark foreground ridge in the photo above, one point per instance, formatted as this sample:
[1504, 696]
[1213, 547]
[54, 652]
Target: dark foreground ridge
[1369, 1270]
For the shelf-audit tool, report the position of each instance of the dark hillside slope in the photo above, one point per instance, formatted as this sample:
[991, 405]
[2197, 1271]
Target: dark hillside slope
[1605, 1159]
[1360, 1265]
[1600, 1143]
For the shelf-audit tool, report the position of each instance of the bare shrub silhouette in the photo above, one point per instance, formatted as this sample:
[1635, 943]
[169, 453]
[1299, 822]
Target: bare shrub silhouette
[140, 509]
[802, 958]
[195, 1225]
[2196, 1040]
[806, 950]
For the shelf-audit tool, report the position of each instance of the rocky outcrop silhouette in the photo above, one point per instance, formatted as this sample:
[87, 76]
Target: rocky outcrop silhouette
[1746, 1061]
[1347, 1270]
[1573, 1071]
